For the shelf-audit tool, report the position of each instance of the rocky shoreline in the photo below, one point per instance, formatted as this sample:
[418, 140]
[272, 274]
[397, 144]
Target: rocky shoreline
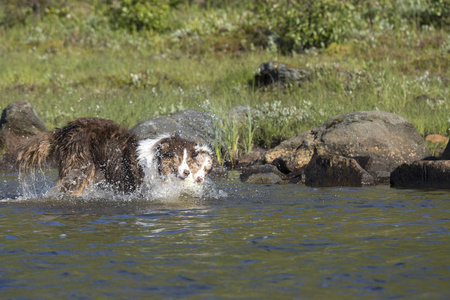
[353, 149]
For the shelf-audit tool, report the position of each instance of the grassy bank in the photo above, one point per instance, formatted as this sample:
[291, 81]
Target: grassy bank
[77, 65]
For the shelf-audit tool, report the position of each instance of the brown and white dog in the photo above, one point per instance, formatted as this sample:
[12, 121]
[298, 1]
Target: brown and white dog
[91, 150]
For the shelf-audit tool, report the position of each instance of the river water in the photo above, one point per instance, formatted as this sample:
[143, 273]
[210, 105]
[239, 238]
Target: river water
[244, 241]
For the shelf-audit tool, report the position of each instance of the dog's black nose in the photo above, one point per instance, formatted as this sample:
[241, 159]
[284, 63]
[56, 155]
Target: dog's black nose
[186, 172]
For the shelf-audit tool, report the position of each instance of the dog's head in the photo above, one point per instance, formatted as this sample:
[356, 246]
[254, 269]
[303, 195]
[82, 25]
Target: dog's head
[175, 157]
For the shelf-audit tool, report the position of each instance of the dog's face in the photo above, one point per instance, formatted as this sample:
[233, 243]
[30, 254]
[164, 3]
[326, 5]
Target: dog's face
[172, 160]
[201, 164]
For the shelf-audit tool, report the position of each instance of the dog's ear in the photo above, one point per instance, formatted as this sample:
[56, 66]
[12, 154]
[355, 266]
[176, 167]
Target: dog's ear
[164, 146]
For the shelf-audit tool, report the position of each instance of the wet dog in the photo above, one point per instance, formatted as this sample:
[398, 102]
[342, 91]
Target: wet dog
[91, 150]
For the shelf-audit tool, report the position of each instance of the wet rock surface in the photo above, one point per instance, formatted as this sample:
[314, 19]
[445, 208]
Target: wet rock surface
[446, 154]
[262, 174]
[264, 178]
[326, 170]
[190, 124]
[432, 173]
[422, 174]
[18, 122]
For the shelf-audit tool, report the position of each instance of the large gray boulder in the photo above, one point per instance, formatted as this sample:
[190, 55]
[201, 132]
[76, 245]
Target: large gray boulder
[379, 141]
[18, 122]
[190, 124]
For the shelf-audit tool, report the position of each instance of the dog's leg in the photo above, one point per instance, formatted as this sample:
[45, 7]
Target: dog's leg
[76, 181]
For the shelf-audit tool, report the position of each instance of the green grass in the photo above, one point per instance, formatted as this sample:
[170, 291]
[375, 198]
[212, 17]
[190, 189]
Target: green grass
[83, 68]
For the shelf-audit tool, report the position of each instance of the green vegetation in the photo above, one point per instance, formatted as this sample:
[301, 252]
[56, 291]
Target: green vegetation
[137, 15]
[129, 60]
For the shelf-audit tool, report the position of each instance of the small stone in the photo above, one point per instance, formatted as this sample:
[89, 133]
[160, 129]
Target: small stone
[282, 75]
[264, 178]
[258, 170]
[436, 138]
[256, 156]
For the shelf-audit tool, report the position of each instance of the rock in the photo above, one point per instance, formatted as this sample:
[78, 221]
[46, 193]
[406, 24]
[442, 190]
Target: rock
[218, 172]
[446, 154]
[190, 124]
[436, 138]
[388, 139]
[275, 73]
[294, 153]
[254, 157]
[427, 98]
[333, 170]
[264, 178]
[18, 122]
[261, 174]
[382, 140]
[436, 143]
[281, 166]
[422, 174]
[19, 118]
[240, 113]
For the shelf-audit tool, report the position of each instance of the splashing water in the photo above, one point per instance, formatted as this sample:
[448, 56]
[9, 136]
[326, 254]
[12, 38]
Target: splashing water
[173, 190]
[41, 184]
[36, 184]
